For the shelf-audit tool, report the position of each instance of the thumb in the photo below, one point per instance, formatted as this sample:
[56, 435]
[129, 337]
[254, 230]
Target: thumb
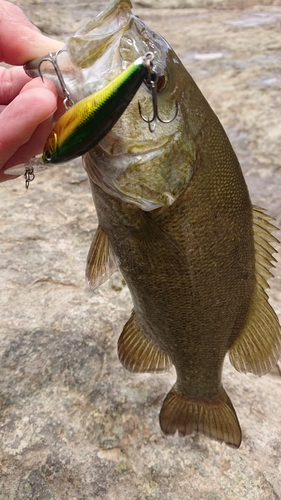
[20, 40]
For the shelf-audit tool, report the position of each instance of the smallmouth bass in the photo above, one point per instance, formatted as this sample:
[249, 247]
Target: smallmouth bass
[176, 217]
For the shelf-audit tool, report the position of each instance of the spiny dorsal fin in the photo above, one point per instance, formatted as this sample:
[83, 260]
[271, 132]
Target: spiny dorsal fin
[101, 260]
[258, 347]
[137, 353]
[216, 419]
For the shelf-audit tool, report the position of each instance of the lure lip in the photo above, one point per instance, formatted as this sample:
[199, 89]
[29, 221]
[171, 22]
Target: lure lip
[34, 163]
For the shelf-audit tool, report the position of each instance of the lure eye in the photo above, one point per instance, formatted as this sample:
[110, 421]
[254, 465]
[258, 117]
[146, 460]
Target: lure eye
[49, 152]
[47, 155]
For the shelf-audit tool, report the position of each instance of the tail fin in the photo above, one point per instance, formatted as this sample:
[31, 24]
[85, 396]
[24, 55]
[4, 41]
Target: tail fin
[216, 419]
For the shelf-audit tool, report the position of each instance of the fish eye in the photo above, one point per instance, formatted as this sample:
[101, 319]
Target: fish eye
[161, 82]
[159, 77]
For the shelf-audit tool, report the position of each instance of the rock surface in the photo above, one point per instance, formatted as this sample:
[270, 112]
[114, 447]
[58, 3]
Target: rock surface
[74, 424]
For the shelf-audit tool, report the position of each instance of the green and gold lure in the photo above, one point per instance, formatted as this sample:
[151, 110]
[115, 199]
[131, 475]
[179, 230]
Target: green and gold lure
[87, 122]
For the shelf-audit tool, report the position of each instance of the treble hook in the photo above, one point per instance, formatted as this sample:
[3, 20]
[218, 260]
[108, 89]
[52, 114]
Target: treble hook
[53, 59]
[152, 83]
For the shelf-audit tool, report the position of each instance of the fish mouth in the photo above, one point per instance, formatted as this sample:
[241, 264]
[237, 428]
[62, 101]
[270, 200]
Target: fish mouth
[97, 52]
[112, 41]
[93, 41]
[91, 57]
[116, 23]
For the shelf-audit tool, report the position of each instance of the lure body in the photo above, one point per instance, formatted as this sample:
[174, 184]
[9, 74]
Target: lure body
[86, 123]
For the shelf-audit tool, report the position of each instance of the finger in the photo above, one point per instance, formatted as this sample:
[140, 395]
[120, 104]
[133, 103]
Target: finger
[20, 40]
[37, 83]
[11, 82]
[19, 120]
[46, 83]
[33, 147]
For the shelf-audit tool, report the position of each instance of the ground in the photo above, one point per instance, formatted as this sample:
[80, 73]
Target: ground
[74, 424]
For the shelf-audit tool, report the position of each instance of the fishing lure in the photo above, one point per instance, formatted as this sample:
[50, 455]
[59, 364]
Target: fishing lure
[87, 122]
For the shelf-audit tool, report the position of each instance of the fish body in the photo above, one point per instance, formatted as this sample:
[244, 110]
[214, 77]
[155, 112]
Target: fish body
[87, 122]
[176, 217]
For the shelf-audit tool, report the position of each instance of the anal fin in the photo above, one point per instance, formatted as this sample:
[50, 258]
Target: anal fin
[139, 354]
[258, 347]
[101, 260]
[216, 419]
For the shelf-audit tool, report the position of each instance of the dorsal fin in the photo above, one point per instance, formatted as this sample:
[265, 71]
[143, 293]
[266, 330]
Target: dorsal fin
[258, 347]
[101, 260]
[137, 353]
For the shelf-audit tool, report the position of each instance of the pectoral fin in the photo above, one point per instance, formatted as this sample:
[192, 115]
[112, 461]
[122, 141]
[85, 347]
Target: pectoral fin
[137, 353]
[216, 419]
[258, 347]
[101, 260]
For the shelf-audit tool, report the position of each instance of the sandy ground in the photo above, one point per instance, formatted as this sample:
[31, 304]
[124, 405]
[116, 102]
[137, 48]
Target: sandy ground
[74, 424]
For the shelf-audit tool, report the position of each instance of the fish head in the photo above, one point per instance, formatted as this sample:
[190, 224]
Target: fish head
[147, 168]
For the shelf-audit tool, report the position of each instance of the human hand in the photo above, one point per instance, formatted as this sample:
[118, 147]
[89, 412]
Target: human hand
[26, 106]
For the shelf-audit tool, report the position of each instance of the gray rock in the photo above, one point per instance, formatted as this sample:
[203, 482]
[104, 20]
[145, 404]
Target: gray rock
[74, 424]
